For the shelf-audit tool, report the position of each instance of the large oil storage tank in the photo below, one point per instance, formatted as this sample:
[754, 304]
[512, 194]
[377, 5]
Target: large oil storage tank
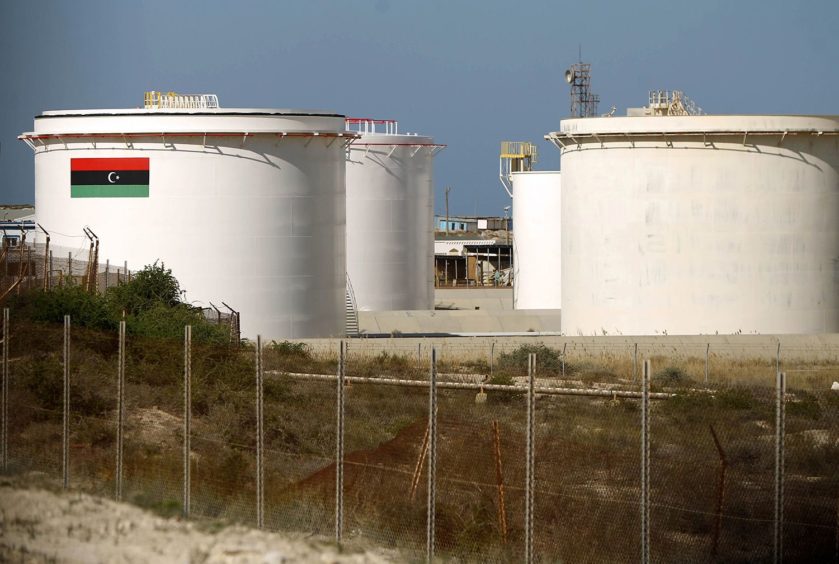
[246, 206]
[390, 217]
[537, 240]
[700, 224]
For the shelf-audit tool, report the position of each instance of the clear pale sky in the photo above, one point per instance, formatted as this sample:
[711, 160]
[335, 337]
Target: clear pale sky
[468, 73]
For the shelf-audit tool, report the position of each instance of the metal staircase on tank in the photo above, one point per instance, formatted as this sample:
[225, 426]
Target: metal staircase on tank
[351, 325]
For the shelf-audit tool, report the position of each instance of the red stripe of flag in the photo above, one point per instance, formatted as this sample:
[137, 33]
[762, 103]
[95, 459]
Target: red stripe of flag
[110, 164]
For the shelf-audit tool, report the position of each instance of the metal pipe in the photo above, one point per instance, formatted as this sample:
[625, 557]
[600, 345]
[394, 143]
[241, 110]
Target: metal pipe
[590, 392]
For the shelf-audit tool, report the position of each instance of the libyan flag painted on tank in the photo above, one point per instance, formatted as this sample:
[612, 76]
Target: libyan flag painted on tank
[109, 178]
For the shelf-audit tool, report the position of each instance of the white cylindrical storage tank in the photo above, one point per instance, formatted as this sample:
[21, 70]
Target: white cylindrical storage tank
[246, 206]
[537, 240]
[390, 217]
[700, 224]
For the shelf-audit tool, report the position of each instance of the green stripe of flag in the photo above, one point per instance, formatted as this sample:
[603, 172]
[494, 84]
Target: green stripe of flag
[109, 191]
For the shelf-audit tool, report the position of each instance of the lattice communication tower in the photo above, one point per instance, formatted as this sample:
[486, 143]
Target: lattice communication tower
[583, 102]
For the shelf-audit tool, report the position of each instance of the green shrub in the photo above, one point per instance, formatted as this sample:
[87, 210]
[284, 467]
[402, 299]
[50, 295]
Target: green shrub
[548, 360]
[84, 308]
[43, 378]
[804, 405]
[736, 398]
[168, 321]
[670, 376]
[154, 285]
[290, 349]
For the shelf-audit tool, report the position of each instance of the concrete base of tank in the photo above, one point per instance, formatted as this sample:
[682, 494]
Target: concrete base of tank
[473, 298]
[459, 321]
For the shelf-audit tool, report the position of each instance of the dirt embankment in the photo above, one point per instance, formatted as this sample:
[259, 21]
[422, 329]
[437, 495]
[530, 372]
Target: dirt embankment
[40, 526]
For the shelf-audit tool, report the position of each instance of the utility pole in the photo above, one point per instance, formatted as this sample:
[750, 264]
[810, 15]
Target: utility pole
[448, 189]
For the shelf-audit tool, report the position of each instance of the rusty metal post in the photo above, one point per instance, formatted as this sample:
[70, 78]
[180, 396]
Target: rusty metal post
[31, 273]
[21, 245]
[720, 491]
[420, 463]
[47, 258]
[499, 479]
[5, 399]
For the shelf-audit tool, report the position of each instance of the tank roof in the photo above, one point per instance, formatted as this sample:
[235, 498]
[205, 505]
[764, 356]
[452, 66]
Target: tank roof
[189, 111]
[704, 124]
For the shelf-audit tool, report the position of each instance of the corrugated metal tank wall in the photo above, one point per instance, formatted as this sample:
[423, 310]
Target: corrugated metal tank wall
[537, 238]
[390, 217]
[255, 220]
[700, 224]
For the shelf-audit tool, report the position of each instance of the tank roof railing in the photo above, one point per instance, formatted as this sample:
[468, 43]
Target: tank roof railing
[154, 100]
[368, 125]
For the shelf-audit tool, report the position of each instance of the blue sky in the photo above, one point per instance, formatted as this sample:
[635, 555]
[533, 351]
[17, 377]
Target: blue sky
[468, 73]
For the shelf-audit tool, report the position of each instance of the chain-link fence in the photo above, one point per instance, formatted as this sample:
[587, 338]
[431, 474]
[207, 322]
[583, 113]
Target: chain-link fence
[612, 455]
[27, 266]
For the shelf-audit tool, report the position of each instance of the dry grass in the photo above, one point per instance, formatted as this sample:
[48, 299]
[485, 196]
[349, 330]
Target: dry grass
[587, 450]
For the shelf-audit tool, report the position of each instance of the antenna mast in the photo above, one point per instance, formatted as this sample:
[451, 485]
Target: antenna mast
[583, 102]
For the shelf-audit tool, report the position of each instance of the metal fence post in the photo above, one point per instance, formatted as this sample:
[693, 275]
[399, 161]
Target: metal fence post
[419, 356]
[564, 345]
[635, 363]
[707, 360]
[339, 444]
[529, 474]
[5, 399]
[491, 359]
[645, 463]
[187, 414]
[432, 456]
[780, 416]
[107, 272]
[260, 438]
[65, 434]
[120, 408]
[778, 359]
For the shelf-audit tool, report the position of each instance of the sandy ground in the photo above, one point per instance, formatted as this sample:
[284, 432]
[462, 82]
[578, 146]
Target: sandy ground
[37, 526]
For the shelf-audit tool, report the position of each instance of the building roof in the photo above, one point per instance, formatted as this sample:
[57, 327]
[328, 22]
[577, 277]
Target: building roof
[17, 212]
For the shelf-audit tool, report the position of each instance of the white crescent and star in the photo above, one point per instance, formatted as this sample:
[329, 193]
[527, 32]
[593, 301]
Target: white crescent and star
[112, 180]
